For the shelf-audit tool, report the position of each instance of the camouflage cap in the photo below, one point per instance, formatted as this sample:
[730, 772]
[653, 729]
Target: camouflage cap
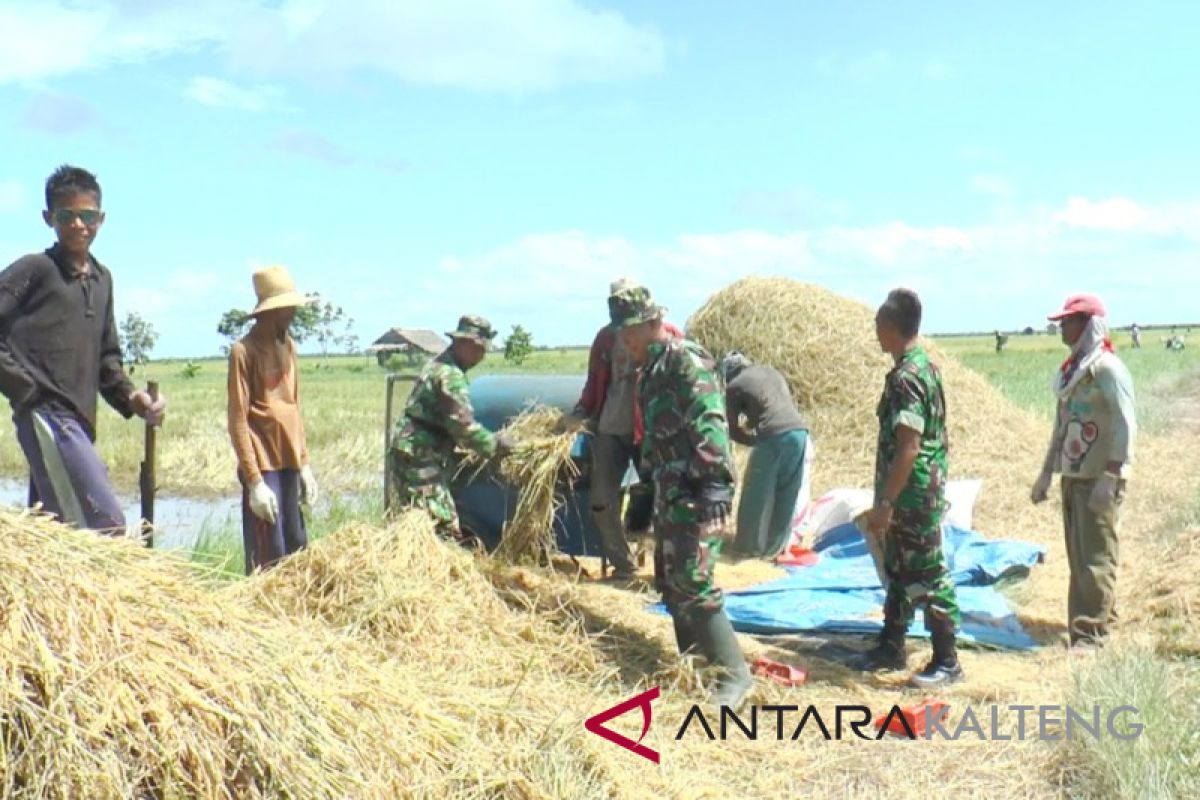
[475, 328]
[635, 306]
[622, 285]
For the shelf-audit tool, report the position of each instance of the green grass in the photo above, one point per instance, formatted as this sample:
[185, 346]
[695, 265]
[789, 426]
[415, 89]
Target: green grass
[1164, 761]
[1025, 370]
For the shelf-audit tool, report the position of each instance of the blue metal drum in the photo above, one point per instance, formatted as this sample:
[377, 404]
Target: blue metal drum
[485, 503]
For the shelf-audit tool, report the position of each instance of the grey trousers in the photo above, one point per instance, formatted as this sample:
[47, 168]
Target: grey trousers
[1092, 555]
[611, 457]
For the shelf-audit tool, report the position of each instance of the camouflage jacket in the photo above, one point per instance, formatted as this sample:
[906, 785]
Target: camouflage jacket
[913, 397]
[438, 416]
[686, 444]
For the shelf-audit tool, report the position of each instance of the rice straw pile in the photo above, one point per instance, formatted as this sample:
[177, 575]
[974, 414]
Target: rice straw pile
[539, 468]
[422, 598]
[122, 676]
[824, 344]
[379, 663]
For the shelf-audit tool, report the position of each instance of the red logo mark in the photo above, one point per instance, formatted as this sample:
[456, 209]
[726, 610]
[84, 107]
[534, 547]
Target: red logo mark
[596, 724]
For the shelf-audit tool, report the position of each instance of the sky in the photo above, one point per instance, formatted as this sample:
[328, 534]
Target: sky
[414, 160]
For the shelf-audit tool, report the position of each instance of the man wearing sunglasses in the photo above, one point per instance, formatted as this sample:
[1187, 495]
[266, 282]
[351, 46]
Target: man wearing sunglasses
[58, 350]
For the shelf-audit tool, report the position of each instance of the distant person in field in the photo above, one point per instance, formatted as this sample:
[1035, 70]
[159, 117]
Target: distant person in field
[1001, 341]
[267, 427]
[609, 409]
[1092, 446]
[1135, 333]
[438, 418]
[911, 468]
[58, 350]
[777, 435]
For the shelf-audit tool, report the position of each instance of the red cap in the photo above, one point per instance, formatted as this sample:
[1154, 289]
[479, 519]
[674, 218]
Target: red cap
[1088, 304]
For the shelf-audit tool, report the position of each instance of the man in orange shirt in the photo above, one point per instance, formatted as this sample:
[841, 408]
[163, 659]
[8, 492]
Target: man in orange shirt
[266, 427]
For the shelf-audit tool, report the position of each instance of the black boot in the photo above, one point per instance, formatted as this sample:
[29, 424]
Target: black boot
[944, 668]
[685, 634]
[889, 652]
[719, 644]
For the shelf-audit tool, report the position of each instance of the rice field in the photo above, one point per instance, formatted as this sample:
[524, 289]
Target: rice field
[486, 670]
[343, 399]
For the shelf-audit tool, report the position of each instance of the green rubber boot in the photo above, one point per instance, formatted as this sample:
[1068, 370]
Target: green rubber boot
[719, 644]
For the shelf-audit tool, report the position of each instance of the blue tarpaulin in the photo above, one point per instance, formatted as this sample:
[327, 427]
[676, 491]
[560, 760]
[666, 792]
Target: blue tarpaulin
[842, 592]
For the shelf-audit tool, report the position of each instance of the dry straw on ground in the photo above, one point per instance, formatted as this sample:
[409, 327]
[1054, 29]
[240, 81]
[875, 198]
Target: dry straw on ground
[377, 664]
[121, 676]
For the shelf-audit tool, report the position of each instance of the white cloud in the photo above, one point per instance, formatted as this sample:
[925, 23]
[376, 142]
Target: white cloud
[95, 34]
[504, 45]
[1114, 214]
[180, 290]
[12, 196]
[995, 274]
[993, 185]
[891, 243]
[1119, 215]
[223, 94]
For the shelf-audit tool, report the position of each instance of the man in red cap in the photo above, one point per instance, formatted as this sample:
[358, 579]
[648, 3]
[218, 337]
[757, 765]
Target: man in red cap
[1092, 448]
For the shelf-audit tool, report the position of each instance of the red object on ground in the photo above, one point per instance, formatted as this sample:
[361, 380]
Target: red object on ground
[797, 556]
[782, 674]
[915, 716]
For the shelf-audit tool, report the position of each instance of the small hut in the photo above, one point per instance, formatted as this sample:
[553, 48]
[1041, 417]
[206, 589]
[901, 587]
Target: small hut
[414, 343]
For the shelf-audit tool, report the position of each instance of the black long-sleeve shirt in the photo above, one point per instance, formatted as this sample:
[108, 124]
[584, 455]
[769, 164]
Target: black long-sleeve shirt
[58, 338]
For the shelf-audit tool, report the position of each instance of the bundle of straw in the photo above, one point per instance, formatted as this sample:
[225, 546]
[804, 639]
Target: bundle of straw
[539, 467]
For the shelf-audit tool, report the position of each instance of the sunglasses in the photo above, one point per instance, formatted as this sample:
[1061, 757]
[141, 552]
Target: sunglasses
[67, 216]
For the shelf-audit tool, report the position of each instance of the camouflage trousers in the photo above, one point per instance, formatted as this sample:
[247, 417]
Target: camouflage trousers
[425, 486]
[685, 557]
[917, 573]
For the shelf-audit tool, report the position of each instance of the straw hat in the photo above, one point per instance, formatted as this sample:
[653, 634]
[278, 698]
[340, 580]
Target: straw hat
[275, 288]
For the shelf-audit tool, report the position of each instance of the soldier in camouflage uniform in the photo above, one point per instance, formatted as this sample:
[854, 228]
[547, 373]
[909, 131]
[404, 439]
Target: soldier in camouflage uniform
[438, 418]
[686, 448]
[910, 478]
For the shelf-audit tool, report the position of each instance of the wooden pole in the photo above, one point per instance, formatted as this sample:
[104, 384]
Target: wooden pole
[147, 480]
[387, 441]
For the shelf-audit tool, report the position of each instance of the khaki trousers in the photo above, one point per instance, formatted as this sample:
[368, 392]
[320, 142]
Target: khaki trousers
[1092, 555]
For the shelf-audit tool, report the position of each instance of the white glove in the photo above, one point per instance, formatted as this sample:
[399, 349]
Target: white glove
[263, 503]
[1104, 494]
[1041, 488]
[308, 486]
